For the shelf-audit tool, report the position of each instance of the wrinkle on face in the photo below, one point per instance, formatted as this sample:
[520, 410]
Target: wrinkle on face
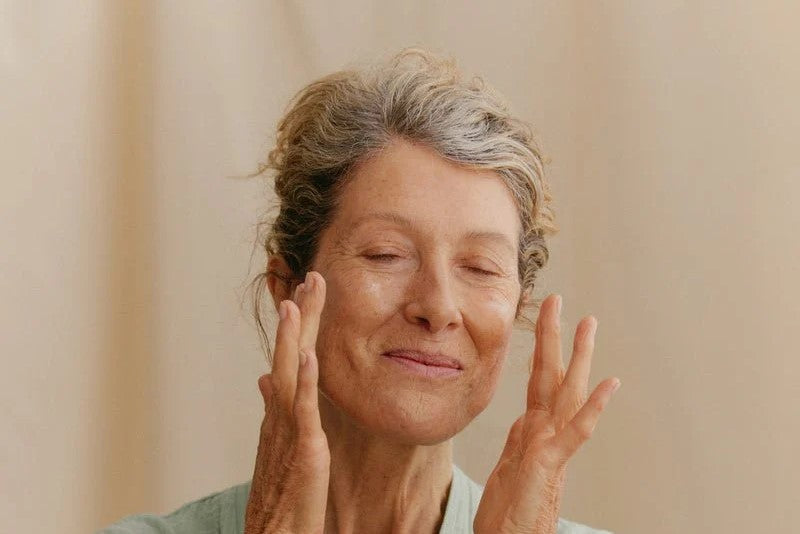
[442, 222]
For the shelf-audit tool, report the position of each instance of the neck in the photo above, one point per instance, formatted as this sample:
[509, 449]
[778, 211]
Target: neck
[379, 485]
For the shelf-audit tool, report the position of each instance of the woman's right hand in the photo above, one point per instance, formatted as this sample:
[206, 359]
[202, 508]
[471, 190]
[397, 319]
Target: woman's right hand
[290, 482]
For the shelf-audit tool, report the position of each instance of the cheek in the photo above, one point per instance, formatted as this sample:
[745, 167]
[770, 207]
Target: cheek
[361, 293]
[356, 304]
[490, 323]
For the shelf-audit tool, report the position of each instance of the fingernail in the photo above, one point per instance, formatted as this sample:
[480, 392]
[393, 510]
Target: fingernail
[299, 291]
[616, 386]
[559, 305]
[282, 309]
[309, 281]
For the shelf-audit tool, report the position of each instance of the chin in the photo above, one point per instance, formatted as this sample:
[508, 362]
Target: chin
[411, 417]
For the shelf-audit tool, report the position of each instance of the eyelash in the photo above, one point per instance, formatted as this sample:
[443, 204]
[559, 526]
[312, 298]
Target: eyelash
[385, 258]
[381, 257]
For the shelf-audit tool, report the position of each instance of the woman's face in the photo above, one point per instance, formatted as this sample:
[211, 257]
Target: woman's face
[421, 257]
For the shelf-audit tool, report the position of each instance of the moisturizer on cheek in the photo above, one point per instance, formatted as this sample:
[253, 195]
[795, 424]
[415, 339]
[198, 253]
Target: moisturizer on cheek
[372, 295]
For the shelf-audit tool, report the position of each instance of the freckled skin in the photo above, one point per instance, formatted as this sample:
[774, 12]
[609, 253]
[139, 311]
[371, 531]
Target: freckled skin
[433, 293]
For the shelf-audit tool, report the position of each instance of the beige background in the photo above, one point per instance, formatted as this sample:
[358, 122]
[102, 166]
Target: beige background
[129, 379]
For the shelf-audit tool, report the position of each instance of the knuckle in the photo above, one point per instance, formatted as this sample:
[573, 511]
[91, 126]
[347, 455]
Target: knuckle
[310, 453]
[292, 314]
[266, 387]
[314, 445]
[583, 344]
[308, 349]
[584, 431]
[518, 426]
[548, 329]
[302, 409]
[539, 406]
[277, 383]
[551, 329]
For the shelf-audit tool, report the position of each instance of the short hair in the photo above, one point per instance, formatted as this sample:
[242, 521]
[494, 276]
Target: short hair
[341, 119]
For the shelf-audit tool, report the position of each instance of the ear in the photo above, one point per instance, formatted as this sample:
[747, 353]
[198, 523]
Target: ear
[280, 280]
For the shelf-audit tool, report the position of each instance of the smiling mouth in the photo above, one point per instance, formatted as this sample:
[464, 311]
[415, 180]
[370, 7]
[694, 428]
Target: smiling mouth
[425, 364]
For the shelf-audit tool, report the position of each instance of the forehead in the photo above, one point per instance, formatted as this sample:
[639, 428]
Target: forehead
[429, 192]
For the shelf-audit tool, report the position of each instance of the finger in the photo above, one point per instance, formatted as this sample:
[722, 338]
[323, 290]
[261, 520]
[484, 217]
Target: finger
[310, 299]
[580, 428]
[306, 406]
[267, 390]
[548, 368]
[574, 390]
[285, 362]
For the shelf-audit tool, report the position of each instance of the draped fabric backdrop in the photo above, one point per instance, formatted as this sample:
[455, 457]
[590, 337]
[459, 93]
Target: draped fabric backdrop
[129, 367]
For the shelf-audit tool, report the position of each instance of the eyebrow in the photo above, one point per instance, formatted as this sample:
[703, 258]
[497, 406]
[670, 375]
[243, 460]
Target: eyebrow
[498, 237]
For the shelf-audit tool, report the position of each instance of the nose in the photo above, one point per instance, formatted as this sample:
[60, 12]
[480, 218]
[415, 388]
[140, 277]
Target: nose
[432, 301]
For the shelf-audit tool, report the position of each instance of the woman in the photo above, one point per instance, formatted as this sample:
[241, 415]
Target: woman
[412, 223]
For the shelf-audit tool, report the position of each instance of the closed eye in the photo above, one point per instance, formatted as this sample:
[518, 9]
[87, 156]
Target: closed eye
[482, 272]
[382, 257]
[386, 258]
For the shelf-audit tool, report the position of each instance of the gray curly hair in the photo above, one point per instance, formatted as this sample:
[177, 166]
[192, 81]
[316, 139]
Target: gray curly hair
[340, 120]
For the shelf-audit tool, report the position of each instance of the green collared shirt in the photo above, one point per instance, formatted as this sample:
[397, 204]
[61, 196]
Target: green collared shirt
[223, 513]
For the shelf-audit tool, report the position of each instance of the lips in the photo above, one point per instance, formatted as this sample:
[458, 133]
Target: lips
[425, 358]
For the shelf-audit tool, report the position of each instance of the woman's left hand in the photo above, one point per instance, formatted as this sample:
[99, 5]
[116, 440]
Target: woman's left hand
[523, 493]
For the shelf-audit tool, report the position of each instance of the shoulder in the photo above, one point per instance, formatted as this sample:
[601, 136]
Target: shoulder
[220, 512]
[470, 492]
